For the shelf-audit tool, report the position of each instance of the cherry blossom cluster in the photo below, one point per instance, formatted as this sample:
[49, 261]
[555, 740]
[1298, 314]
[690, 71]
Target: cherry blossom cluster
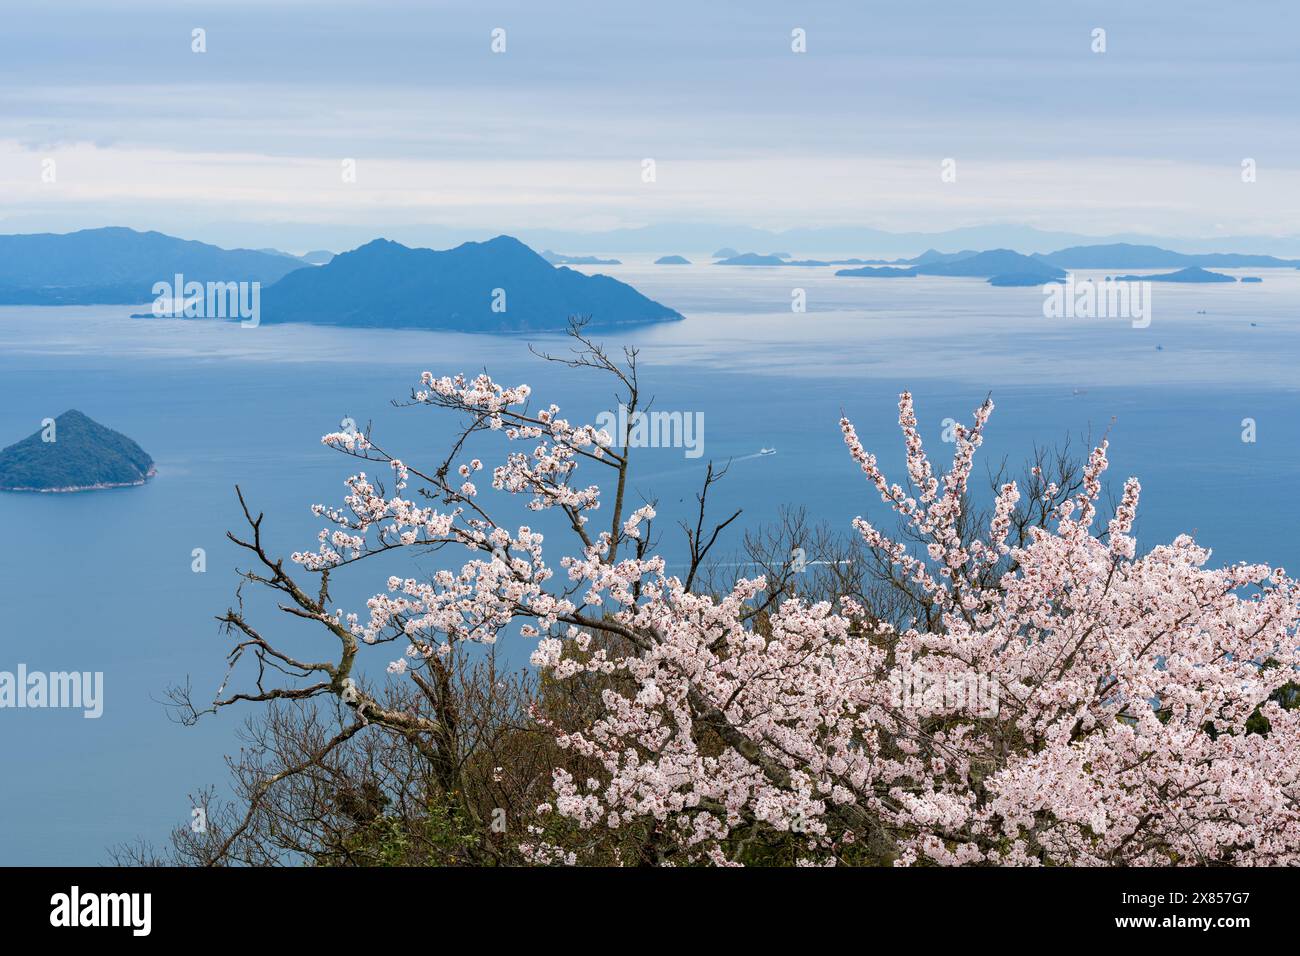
[1124, 681]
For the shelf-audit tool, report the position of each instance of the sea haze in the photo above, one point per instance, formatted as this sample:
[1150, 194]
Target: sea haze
[103, 581]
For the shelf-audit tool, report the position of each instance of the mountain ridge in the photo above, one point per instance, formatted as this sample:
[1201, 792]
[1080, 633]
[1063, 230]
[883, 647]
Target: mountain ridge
[114, 265]
[500, 285]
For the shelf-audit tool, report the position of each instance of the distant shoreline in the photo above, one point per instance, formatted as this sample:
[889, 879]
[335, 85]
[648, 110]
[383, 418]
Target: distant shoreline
[75, 488]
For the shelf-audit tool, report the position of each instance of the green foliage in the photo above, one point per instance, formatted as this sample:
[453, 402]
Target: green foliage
[439, 835]
[1288, 696]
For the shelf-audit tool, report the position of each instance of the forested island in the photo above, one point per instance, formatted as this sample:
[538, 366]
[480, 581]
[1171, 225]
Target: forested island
[73, 453]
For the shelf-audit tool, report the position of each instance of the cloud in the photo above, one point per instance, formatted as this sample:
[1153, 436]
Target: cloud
[776, 191]
[1148, 136]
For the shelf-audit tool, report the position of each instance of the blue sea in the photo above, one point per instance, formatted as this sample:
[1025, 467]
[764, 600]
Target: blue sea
[103, 581]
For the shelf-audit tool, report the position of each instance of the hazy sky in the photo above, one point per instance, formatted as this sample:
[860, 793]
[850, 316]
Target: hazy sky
[246, 141]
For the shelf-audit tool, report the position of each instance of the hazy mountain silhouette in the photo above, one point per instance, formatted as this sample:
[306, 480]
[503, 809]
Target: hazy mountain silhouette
[781, 259]
[317, 257]
[995, 262]
[827, 241]
[933, 256]
[1122, 255]
[1001, 267]
[753, 259]
[116, 265]
[560, 259]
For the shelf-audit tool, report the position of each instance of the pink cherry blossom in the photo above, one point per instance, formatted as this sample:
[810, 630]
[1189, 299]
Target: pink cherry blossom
[1123, 681]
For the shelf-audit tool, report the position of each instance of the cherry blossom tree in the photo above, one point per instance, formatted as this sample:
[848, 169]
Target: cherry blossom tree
[1053, 696]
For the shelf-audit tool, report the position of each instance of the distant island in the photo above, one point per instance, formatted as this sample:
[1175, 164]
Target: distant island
[1001, 267]
[121, 266]
[781, 259]
[83, 456]
[1121, 255]
[753, 259]
[929, 257]
[991, 264]
[118, 266]
[784, 259]
[1191, 274]
[933, 256]
[496, 286]
[879, 272]
[556, 259]
[1005, 267]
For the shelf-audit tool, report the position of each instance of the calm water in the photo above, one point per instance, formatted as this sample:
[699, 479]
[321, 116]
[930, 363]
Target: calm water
[103, 581]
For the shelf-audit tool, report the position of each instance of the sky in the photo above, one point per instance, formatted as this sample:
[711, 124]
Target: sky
[245, 143]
